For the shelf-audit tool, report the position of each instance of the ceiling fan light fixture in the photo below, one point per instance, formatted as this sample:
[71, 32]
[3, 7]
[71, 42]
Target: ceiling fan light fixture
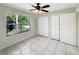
[38, 12]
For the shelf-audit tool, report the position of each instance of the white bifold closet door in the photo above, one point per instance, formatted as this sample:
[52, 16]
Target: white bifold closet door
[54, 32]
[43, 26]
[68, 28]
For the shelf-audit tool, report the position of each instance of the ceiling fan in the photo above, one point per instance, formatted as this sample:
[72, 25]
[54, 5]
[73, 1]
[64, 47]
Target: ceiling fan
[40, 8]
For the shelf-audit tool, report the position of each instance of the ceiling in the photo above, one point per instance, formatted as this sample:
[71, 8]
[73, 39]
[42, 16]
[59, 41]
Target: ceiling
[53, 6]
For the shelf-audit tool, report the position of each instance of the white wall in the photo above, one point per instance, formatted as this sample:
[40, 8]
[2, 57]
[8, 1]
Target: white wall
[43, 26]
[68, 28]
[54, 26]
[78, 28]
[70, 10]
[7, 41]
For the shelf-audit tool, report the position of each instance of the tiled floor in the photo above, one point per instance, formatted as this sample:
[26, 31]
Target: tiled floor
[39, 45]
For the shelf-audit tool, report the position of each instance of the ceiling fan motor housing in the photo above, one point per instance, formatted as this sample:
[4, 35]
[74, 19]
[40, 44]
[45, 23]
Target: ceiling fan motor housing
[38, 8]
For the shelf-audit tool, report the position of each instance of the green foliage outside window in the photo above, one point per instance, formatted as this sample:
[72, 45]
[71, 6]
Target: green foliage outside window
[11, 16]
[21, 25]
[23, 20]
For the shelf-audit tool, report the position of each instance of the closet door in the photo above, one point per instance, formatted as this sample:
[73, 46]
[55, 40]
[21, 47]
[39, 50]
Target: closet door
[68, 28]
[43, 26]
[54, 21]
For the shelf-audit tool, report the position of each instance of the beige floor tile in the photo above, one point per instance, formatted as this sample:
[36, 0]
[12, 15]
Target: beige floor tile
[39, 49]
[47, 52]
[71, 50]
[40, 45]
[53, 43]
[2, 52]
[61, 47]
[50, 48]
[25, 51]
[59, 52]
[17, 52]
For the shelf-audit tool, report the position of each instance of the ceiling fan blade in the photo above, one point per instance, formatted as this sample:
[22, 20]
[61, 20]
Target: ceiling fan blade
[46, 6]
[33, 6]
[44, 10]
[31, 9]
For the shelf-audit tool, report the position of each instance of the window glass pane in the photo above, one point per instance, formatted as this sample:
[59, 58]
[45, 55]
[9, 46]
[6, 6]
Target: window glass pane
[24, 23]
[11, 23]
[17, 24]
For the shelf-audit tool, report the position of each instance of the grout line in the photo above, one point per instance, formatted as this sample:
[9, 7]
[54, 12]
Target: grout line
[46, 47]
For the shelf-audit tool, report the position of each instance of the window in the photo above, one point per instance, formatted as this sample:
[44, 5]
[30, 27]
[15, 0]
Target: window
[17, 23]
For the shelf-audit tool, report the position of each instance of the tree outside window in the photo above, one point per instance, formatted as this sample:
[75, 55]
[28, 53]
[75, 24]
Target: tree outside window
[17, 23]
